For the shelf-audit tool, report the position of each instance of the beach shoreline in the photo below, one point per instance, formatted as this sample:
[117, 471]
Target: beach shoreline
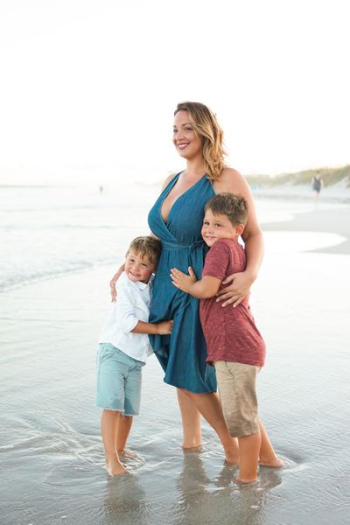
[51, 450]
[335, 221]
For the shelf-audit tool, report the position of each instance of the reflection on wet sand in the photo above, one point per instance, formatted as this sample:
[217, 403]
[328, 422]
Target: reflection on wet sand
[198, 495]
[51, 452]
[125, 501]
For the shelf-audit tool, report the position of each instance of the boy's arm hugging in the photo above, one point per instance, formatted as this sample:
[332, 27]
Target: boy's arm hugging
[204, 288]
[130, 316]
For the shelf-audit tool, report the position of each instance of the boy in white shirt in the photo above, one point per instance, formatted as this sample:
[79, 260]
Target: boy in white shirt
[124, 347]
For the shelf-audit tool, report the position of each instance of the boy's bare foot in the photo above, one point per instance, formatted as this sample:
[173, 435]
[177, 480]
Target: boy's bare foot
[274, 462]
[194, 447]
[189, 444]
[192, 450]
[114, 467]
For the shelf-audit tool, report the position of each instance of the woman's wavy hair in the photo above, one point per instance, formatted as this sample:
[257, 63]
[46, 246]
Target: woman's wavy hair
[206, 127]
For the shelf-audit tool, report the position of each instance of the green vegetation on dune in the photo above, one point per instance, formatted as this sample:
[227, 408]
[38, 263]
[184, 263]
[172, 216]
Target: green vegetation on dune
[330, 176]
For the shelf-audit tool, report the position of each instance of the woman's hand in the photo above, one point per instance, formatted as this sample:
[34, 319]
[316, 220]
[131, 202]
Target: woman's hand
[113, 281]
[237, 290]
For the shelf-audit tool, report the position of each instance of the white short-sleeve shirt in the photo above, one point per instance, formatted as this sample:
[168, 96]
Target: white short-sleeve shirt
[131, 306]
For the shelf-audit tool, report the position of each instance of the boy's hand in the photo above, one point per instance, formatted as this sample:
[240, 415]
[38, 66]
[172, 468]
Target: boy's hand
[165, 327]
[183, 281]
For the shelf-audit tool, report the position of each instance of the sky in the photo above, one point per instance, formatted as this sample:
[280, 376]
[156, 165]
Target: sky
[90, 86]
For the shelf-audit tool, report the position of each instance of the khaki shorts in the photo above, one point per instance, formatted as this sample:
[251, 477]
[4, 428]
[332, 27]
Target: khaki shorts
[237, 389]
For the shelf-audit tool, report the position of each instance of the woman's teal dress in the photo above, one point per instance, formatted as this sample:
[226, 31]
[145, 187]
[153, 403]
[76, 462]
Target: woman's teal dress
[182, 355]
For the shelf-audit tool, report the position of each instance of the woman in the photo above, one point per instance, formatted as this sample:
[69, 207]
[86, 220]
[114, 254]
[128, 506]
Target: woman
[176, 218]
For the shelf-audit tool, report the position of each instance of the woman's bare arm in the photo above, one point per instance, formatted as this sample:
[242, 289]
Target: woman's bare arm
[114, 280]
[232, 181]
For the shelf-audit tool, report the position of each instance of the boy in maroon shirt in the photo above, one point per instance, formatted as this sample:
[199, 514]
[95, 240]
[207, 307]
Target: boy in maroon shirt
[235, 345]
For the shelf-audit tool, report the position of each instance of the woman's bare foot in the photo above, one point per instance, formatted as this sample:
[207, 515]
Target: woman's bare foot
[274, 462]
[232, 454]
[245, 481]
[128, 453]
[114, 467]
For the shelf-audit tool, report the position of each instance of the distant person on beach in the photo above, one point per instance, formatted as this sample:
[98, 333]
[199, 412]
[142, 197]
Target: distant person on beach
[234, 344]
[176, 219]
[317, 184]
[123, 349]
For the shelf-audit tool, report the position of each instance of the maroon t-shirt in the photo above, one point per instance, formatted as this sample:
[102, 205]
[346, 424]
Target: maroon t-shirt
[230, 333]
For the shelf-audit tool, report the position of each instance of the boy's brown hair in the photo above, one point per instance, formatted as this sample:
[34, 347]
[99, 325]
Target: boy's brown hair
[235, 207]
[147, 246]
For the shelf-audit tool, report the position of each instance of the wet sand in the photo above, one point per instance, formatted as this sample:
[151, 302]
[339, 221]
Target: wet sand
[50, 449]
[319, 220]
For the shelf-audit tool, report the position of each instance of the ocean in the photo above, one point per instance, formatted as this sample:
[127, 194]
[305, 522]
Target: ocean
[46, 232]
[60, 247]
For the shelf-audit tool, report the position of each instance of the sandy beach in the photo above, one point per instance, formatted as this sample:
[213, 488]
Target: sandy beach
[51, 453]
[320, 221]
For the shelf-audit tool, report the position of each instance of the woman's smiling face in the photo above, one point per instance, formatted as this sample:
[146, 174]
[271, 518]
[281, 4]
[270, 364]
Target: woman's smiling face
[187, 143]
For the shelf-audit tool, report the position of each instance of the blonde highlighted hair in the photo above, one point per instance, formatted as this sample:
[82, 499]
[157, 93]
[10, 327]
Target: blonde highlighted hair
[206, 127]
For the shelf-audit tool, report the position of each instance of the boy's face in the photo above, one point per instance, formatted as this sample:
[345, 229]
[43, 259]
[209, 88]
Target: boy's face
[217, 227]
[138, 267]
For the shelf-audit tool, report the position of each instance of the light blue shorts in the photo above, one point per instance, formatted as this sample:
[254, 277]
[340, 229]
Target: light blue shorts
[118, 381]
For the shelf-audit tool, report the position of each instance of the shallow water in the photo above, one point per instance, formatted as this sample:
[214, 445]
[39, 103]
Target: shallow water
[47, 232]
[52, 231]
[50, 450]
